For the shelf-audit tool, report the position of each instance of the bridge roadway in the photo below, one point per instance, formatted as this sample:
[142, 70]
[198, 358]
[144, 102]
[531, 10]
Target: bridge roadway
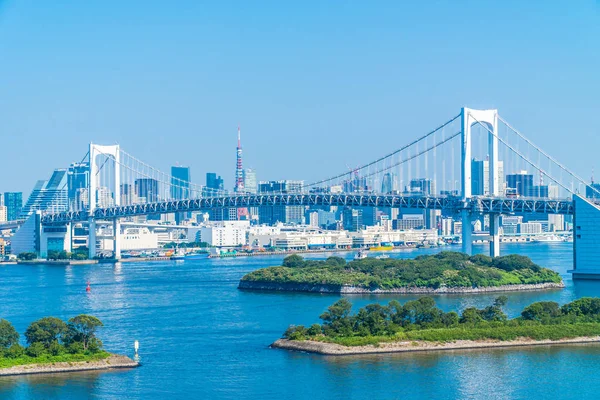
[492, 205]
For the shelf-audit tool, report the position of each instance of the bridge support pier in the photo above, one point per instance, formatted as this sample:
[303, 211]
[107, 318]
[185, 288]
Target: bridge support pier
[117, 239]
[92, 238]
[467, 232]
[494, 235]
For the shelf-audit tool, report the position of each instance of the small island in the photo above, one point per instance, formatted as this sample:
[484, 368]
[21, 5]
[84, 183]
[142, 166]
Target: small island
[420, 326]
[445, 272]
[56, 346]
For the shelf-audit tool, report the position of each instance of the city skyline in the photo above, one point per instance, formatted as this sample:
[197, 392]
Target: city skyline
[361, 86]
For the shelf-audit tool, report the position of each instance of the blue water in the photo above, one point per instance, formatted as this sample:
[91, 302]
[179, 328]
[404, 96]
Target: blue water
[201, 338]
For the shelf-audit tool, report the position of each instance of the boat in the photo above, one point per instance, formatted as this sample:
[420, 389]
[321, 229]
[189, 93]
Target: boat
[178, 255]
[360, 255]
[381, 248]
[195, 256]
[382, 257]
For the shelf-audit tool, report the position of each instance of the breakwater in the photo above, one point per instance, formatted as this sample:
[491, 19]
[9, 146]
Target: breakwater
[332, 349]
[345, 289]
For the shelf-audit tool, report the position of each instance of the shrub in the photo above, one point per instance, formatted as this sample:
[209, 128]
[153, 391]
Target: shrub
[8, 334]
[75, 348]
[36, 349]
[14, 351]
[55, 348]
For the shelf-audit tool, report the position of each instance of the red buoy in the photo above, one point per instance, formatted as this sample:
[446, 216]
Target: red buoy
[88, 288]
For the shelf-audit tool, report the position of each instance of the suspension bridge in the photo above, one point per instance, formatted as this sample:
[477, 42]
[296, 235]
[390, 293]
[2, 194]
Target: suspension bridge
[458, 167]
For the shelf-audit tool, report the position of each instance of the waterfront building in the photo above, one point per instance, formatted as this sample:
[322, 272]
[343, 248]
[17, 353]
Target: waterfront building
[323, 219]
[408, 222]
[13, 201]
[529, 228]
[135, 238]
[556, 222]
[3, 214]
[225, 233]
[51, 195]
[78, 179]
[250, 183]
[521, 183]
[446, 227]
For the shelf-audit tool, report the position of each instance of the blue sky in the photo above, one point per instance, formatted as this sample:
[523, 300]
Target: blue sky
[314, 86]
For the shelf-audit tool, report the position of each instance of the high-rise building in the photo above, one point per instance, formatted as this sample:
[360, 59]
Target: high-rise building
[480, 177]
[521, 183]
[127, 195]
[421, 186]
[352, 219]
[147, 189]
[51, 195]
[180, 183]
[593, 190]
[104, 197]
[180, 188]
[239, 174]
[78, 178]
[13, 201]
[213, 181]
[250, 183]
[286, 214]
[389, 183]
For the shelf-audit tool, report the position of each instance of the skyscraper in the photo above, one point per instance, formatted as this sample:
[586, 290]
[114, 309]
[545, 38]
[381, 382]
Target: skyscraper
[78, 179]
[421, 186]
[213, 181]
[521, 182]
[51, 195]
[147, 189]
[286, 214]
[239, 174]
[250, 184]
[180, 188]
[389, 183]
[480, 177]
[13, 201]
[180, 182]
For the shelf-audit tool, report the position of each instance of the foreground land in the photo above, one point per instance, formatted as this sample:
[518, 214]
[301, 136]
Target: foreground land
[54, 345]
[419, 325]
[52, 365]
[446, 272]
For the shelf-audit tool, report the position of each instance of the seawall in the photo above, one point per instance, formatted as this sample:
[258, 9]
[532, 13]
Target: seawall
[332, 349]
[114, 361]
[344, 289]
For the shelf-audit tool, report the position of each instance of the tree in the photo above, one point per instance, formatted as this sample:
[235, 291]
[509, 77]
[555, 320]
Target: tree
[293, 261]
[500, 301]
[541, 310]
[513, 262]
[336, 261]
[337, 317]
[470, 315]
[82, 328]
[8, 334]
[52, 255]
[27, 256]
[46, 331]
[35, 349]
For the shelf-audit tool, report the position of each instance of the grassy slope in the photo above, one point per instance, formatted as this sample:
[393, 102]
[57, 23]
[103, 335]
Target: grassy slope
[502, 333]
[49, 359]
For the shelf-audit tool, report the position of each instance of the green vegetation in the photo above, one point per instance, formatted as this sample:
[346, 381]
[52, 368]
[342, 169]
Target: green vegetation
[421, 320]
[51, 340]
[445, 269]
[27, 256]
[185, 245]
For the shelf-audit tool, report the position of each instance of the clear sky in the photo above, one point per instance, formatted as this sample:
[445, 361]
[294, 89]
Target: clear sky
[315, 85]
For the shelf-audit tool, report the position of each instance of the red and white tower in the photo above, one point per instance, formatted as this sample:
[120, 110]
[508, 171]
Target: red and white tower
[239, 173]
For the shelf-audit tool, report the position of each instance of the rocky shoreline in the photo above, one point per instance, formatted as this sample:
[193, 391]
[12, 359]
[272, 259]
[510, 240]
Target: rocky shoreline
[114, 361]
[332, 349]
[344, 289]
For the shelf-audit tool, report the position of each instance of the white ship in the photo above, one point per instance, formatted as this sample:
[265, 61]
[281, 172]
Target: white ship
[547, 238]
